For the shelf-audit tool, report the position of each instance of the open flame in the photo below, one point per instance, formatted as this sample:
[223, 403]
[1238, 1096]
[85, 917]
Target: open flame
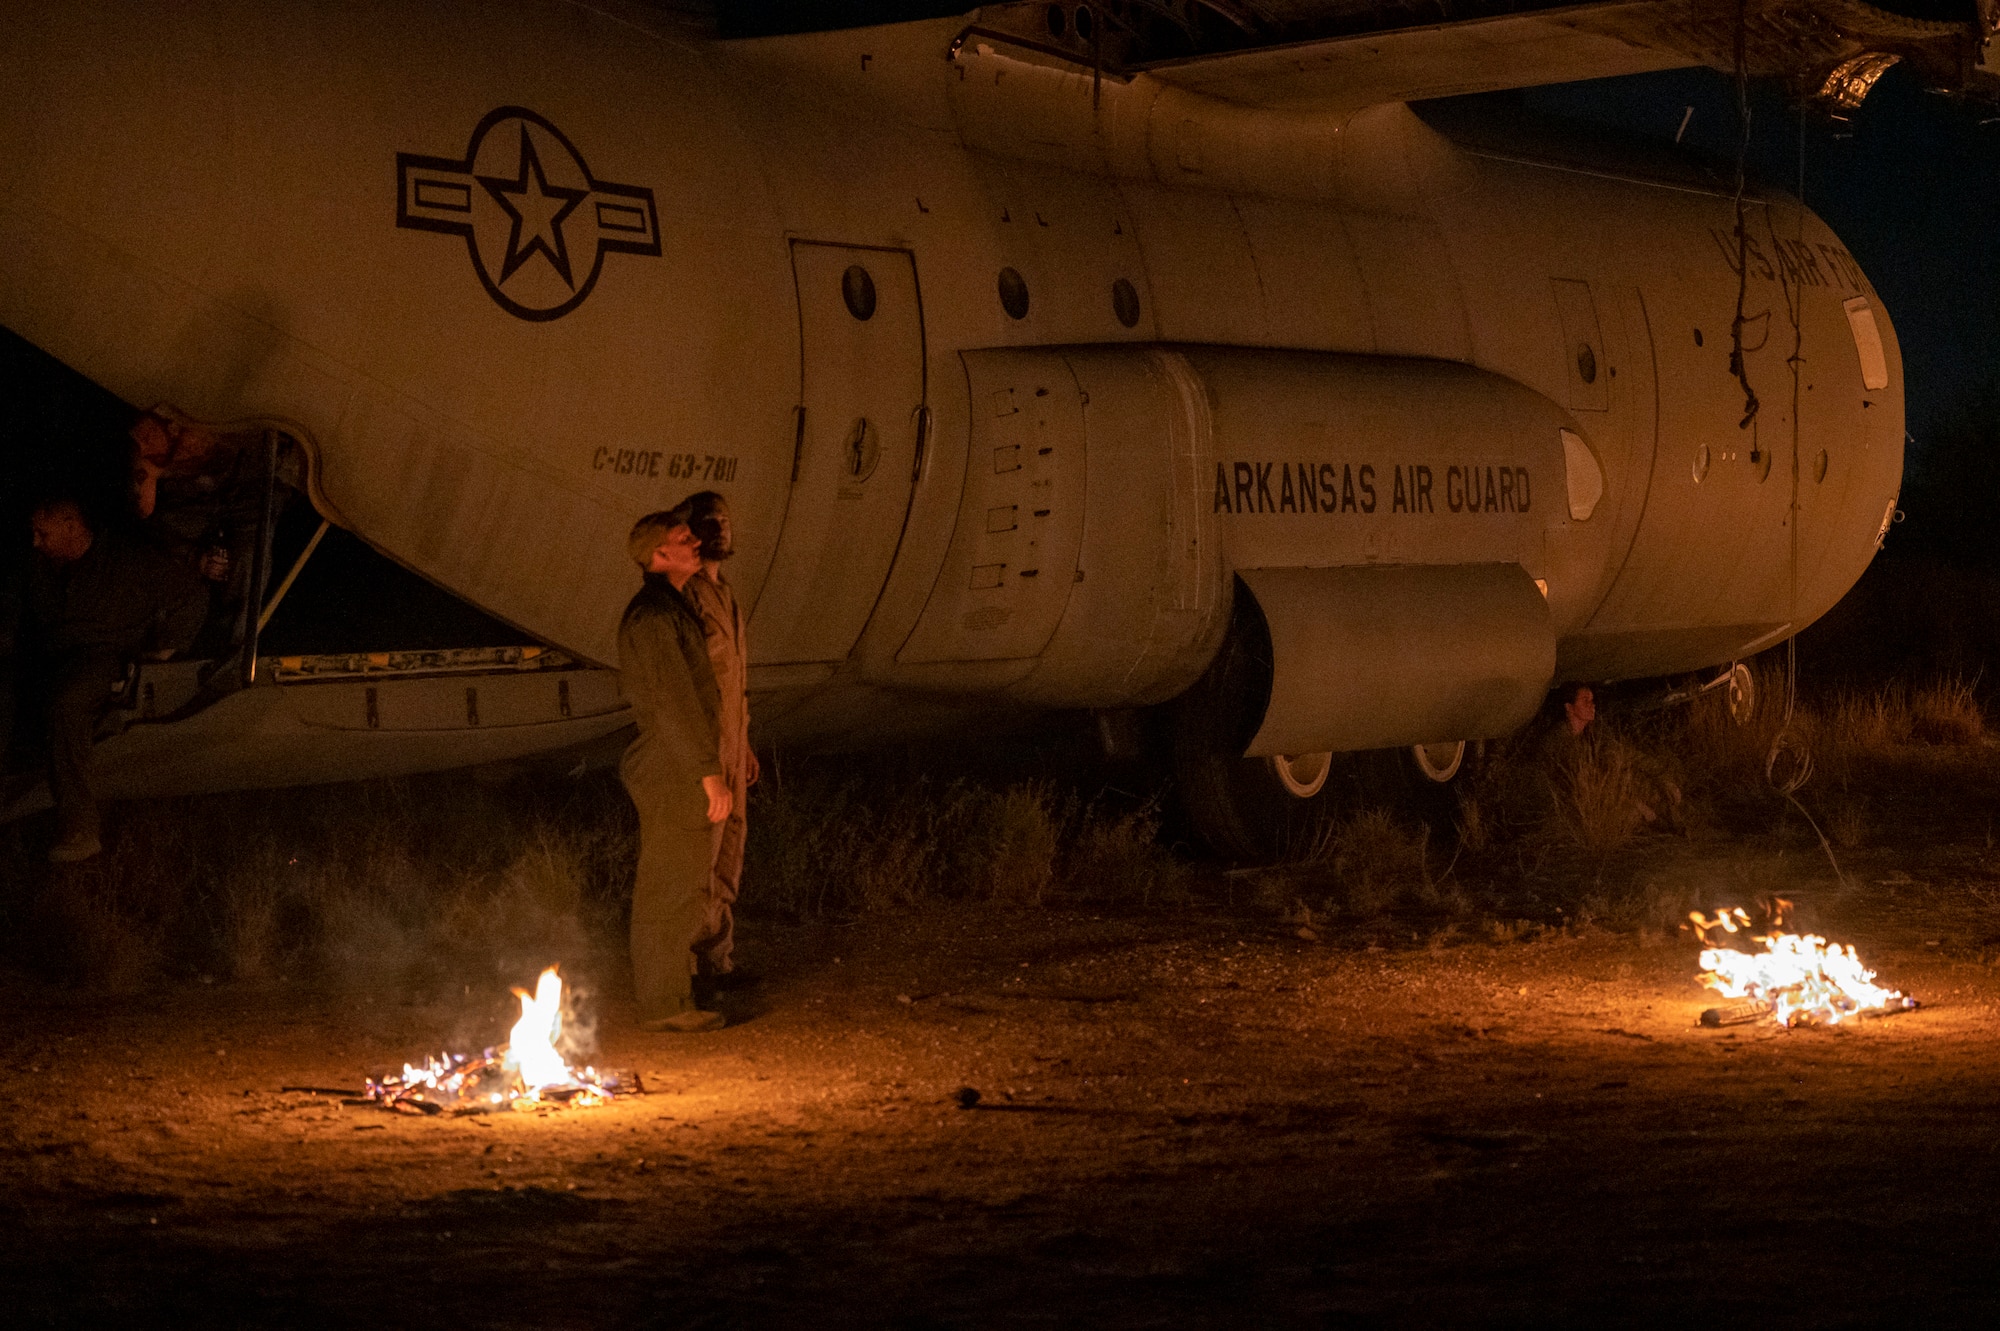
[1797, 979]
[524, 1073]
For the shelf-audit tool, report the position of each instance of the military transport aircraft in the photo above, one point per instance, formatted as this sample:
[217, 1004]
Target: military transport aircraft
[1055, 356]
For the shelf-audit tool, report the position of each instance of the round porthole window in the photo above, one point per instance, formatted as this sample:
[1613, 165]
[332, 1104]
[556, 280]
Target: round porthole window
[857, 288]
[1013, 294]
[1125, 302]
[1586, 364]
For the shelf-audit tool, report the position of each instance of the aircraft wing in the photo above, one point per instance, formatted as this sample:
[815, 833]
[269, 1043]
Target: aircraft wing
[1345, 54]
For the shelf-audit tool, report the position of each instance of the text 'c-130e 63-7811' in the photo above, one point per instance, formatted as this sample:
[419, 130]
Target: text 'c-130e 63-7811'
[1234, 383]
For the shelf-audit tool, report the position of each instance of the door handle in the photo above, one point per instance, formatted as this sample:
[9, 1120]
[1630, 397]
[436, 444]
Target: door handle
[798, 439]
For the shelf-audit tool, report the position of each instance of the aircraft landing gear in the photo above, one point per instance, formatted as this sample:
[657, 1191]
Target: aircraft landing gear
[1273, 809]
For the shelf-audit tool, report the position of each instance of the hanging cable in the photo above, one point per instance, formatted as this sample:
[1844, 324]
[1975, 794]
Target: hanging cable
[1789, 764]
[1737, 365]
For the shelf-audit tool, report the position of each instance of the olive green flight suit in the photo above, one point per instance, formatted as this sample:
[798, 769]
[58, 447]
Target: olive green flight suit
[729, 656]
[124, 598]
[664, 671]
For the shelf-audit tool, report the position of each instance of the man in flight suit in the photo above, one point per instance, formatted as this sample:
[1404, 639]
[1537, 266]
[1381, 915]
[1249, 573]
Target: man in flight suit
[200, 494]
[722, 622]
[673, 770]
[98, 601]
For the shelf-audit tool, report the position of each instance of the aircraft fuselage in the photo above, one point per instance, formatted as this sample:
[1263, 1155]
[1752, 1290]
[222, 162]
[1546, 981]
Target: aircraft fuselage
[1005, 375]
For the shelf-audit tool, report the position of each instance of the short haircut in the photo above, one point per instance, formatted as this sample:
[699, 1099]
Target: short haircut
[705, 509]
[650, 530]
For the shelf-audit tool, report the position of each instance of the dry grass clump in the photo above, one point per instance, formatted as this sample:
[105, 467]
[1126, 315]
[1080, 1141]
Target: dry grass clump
[825, 842]
[1944, 711]
[1947, 711]
[1596, 790]
[404, 887]
[414, 887]
[1845, 819]
[1366, 865]
[1019, 830]
[1116, 858]
[1377, 860]
[1609, 788]
[1713, 750]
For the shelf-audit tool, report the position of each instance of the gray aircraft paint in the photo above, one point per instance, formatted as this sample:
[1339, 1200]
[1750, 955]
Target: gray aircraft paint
[204, 207]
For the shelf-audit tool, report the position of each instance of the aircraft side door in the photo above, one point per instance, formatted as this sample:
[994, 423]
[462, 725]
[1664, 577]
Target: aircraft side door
[860, 424]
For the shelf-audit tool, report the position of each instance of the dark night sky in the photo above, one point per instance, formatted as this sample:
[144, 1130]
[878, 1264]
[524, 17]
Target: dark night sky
[1912, 184]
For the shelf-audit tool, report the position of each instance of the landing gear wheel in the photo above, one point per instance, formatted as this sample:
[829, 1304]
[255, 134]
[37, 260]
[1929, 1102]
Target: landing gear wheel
[1255, 810]
[1303, 775]
[1438, 763]
[1421, 782]
[1742, 690]
[1755, 692]
[1270, 809]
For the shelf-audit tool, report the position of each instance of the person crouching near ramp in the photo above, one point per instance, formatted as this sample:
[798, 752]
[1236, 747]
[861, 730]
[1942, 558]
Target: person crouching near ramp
[673, 770]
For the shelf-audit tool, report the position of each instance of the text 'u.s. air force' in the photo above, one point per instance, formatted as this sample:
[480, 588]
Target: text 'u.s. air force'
[1329, 487]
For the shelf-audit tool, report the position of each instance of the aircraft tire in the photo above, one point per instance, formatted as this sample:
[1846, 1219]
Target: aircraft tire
[1421, 783]
[1243, 808]
[1272, 810]
[1755, 694]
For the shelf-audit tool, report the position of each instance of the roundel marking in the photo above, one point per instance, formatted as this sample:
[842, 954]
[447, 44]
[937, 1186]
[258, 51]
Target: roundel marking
[535, 220]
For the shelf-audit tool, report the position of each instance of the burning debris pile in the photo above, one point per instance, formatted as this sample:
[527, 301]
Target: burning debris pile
[526, 1073]
[1797, 980]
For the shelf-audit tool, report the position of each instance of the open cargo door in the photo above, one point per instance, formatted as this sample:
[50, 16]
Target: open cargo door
[238, 714]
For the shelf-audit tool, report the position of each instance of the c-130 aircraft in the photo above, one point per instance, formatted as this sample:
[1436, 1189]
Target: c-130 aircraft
[1039, 373]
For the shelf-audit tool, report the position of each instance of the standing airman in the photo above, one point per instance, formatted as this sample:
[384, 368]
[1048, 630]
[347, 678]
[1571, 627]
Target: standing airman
[729, 656]
[672, 770]
[99, 600]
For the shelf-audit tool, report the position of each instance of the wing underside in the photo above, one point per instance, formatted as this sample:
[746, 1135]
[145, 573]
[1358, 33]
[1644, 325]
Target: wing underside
[1333, 54]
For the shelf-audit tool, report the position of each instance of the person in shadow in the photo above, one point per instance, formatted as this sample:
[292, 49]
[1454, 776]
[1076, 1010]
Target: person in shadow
[99, 598]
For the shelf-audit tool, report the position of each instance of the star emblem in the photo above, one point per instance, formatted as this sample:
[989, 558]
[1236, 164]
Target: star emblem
[536, 209]
[504, 179]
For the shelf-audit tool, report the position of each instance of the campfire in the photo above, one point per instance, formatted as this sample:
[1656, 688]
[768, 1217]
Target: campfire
[1796, 980]
[526, 1073]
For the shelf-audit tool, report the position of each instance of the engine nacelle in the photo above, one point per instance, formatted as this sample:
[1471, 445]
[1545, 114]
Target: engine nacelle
[1380, 510]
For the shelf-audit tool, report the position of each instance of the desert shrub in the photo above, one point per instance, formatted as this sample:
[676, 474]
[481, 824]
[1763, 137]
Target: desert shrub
[403, 885]
[1867, 719]
[1598, 794]
[1377, 861]
[1018, 834]
[1946, 711]
[1116, 858]
[833, 841]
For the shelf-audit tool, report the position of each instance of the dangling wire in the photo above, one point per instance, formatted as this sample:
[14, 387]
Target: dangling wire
[1737, 366]
[1789, 764]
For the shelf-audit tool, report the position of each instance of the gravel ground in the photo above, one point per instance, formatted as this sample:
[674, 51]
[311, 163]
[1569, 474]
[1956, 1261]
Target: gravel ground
[1182, 1121]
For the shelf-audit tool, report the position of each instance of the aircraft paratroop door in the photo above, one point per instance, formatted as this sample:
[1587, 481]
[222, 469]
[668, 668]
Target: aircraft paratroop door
[860, 427]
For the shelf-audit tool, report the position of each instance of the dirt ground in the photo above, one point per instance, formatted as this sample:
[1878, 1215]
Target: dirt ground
[1183, 1121]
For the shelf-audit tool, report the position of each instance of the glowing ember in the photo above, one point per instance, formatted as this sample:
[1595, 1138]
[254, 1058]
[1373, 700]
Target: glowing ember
[1798, 979]
[524, 1073]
